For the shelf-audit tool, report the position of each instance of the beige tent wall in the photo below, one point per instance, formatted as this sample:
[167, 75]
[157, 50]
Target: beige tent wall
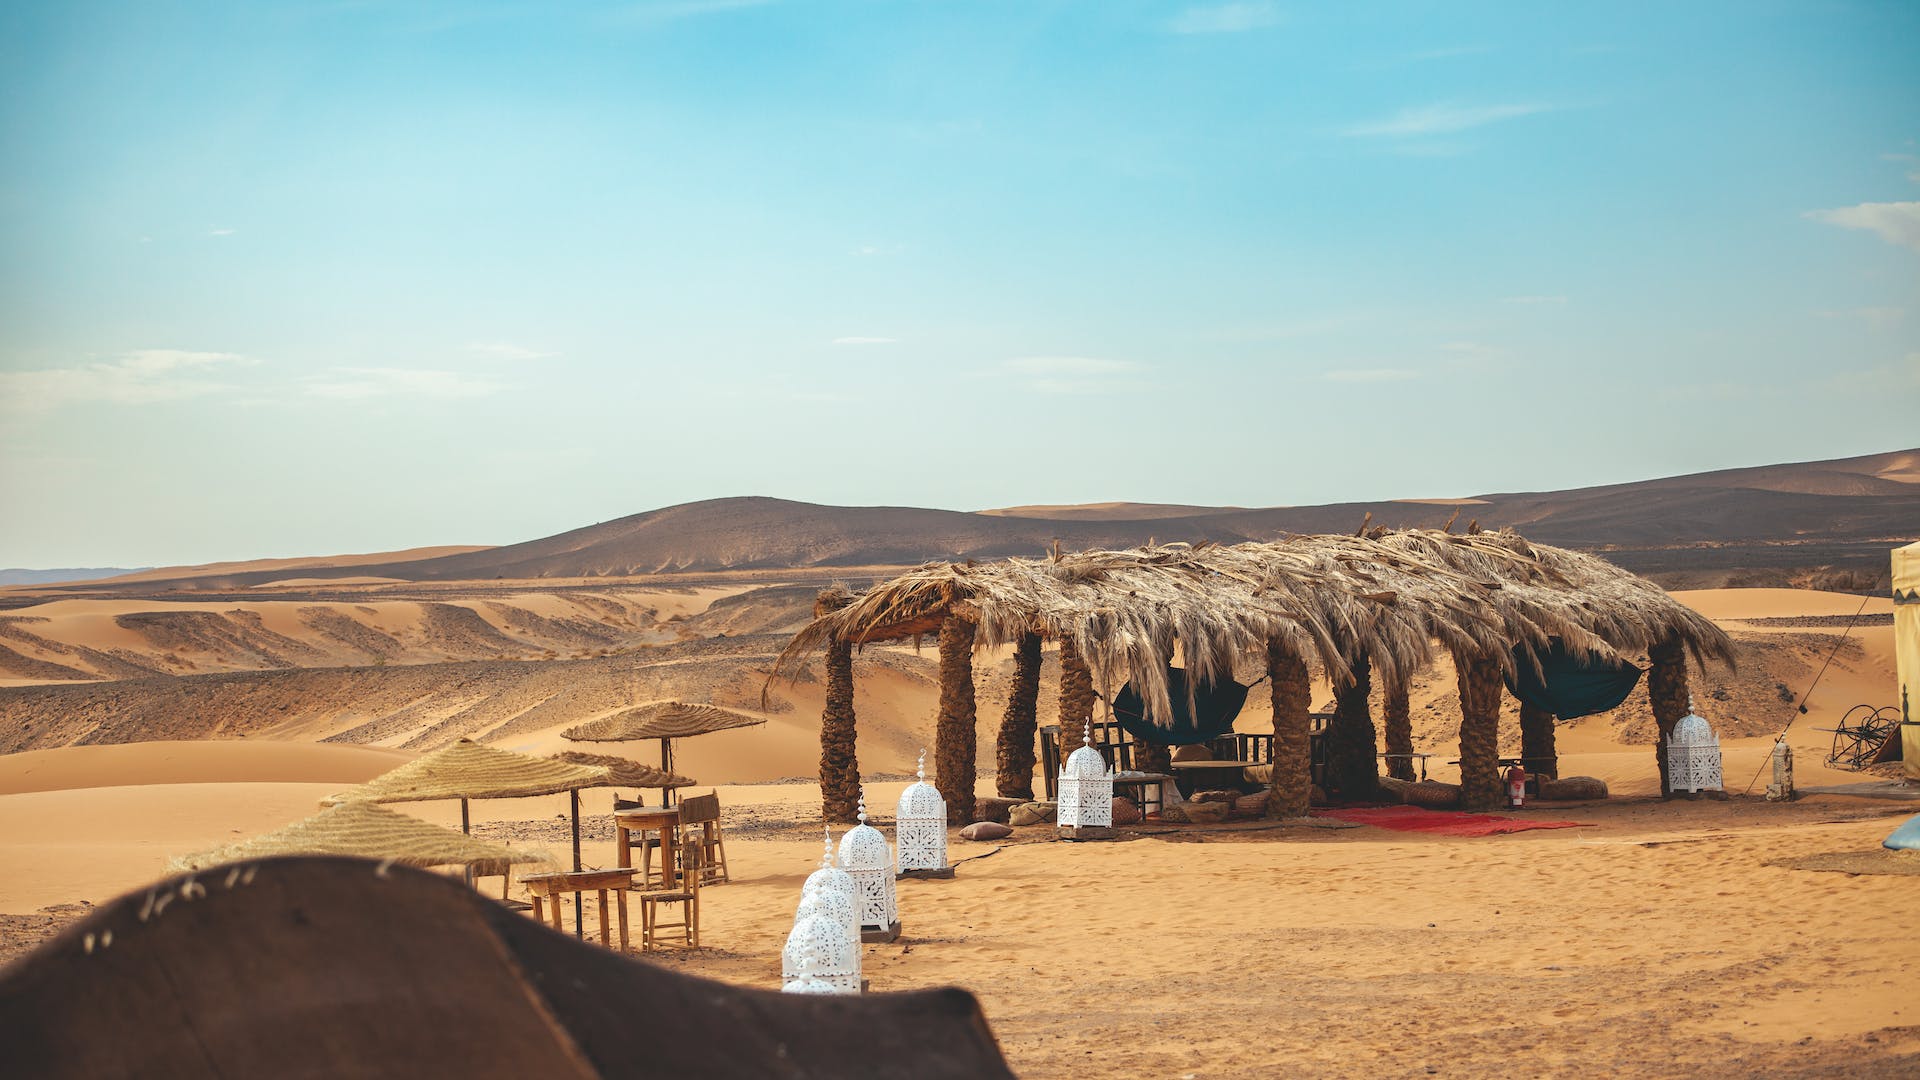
[1906, 647]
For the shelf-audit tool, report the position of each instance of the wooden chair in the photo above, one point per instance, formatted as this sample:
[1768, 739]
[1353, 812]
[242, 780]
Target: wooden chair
[686, 893]
[700, 820]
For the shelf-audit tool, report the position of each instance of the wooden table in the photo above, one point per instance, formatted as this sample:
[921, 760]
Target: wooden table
[664, 820]
[1410, 757]
[1145, 782]
[550, 887]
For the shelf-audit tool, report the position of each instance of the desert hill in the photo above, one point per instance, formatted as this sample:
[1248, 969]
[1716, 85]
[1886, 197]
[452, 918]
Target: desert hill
[1776, 521]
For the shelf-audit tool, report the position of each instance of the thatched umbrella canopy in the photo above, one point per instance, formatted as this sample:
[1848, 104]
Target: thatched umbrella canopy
[367, 831]
[467, 770]
[663, 720]
[626, 772]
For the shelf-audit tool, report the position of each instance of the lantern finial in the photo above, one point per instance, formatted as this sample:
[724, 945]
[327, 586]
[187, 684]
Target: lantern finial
[863, 804]
[920, 771]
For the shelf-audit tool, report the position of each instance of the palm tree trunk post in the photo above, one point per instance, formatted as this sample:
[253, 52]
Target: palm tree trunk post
[1667, 693]
[1076, 698]
[1399, 724]
[1292, 688]
[1353, 770]
[1537, 752]
[1013, 759]
[956, 733]
[1480, 784]
[839, 766]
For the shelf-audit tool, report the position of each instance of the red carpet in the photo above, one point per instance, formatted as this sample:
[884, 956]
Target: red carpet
[1441, 822]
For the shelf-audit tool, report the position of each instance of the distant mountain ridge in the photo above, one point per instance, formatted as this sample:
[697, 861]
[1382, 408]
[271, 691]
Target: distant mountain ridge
[14, 575]
[1778, 515]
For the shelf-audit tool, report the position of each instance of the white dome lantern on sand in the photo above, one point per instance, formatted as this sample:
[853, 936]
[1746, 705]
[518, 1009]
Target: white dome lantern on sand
[1086, 795]
[819, 957]
[1693, 756]
[920, 829]
[866, 856]
[834, 889]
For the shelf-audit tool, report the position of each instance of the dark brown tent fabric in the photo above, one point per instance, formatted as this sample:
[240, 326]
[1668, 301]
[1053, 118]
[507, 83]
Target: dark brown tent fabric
[316, 966]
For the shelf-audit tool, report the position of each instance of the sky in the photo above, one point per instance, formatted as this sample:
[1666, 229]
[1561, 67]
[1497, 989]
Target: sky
[316, 278]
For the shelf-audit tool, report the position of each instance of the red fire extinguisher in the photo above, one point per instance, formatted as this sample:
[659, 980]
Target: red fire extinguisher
[1516, 787]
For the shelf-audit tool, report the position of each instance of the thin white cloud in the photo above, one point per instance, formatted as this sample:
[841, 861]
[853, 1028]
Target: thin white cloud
[140, 377]
[864, 340]
[358, 383]
[506, 350]
[1877, 316]
[1225, 19]
[1075, 374]
[1533, 299]
[221, 232]
[1895, 222]
[1443, 118]
[1371, 375]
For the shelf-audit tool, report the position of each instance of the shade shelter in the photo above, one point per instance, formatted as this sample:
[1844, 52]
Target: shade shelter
[626, 772]
[365, 831]
[467, 770]
[1378, 604]
[663, 720]
[1906, 644]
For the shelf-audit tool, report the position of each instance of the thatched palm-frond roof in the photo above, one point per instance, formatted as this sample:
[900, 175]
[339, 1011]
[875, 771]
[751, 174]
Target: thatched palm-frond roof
[468, 770]
[366, 831]
[1396, 597]
[626, 772]
[661, 720]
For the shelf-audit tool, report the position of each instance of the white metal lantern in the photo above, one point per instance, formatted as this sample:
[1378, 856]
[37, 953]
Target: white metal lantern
[920, 825]
[1693, 756]
[866, 857]
[836, 887]
[1086, 790]
[819, 951]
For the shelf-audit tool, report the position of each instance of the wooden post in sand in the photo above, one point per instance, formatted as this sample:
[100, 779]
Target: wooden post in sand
[955, 733]
[1291, 787]
[1013, 758]
[1667, 693]
[1353, 767]
[839, 766]
[1397, 716]
[1480, 784]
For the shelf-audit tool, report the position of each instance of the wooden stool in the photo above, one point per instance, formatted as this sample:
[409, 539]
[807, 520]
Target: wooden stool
[550, 887]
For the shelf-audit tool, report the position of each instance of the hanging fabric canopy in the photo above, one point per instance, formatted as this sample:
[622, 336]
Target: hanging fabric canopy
[1571, 685]
[1212, 713]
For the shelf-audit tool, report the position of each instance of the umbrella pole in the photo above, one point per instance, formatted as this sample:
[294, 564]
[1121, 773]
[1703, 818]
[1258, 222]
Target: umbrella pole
[579, 923]
[666, 765]
[467, 828]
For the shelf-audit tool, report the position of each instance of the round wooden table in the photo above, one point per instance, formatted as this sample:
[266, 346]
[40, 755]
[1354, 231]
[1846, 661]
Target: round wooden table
[664, 820]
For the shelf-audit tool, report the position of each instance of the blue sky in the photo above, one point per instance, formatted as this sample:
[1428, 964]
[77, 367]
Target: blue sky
[282, 279]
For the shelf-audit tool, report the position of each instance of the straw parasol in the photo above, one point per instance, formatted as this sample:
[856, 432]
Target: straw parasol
[663, 720]
[626, 772]
[364, 830]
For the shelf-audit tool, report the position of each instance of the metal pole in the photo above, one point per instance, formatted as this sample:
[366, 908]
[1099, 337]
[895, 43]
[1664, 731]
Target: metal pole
[465, 825]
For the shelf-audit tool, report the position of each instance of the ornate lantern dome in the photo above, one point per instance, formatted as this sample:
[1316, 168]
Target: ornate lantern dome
[920, 825]
[819, 950]
[1086, 789]
[839, 905]
[836, 889]
[1693, 756]
[866, 857]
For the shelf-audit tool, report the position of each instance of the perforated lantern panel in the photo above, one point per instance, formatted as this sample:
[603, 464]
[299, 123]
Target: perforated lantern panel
[1693, 756]
[921, 845]
[819, 950]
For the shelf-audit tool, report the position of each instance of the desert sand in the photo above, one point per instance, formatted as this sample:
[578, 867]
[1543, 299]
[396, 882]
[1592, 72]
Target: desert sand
[1654, 941]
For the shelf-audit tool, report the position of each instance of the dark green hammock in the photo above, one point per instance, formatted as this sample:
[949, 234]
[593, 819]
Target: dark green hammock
[1215, 707]
[1570, 685]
